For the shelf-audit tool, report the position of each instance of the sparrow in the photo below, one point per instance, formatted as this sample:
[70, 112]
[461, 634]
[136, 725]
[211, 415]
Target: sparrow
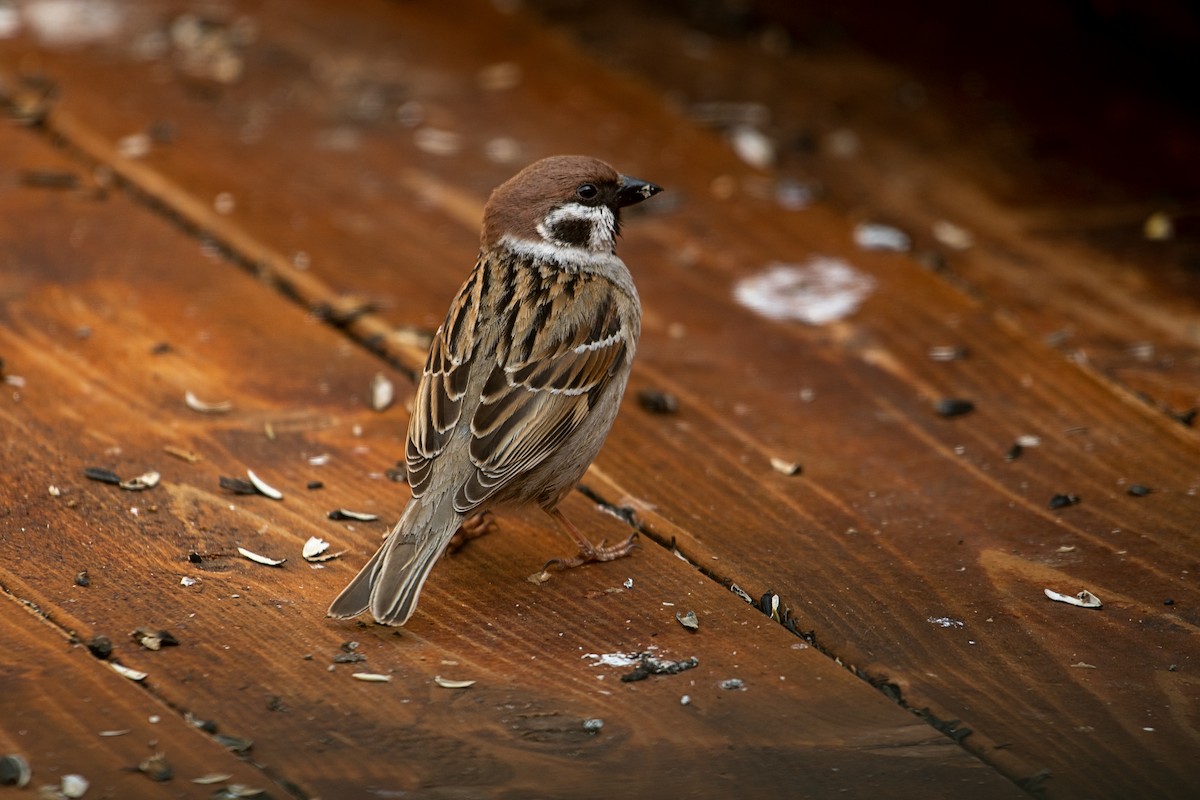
[523, 378]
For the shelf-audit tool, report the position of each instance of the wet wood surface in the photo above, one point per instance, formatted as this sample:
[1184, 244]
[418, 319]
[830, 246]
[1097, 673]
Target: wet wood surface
[294, 229]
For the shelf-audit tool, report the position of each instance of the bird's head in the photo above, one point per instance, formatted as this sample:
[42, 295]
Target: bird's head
[567, 204]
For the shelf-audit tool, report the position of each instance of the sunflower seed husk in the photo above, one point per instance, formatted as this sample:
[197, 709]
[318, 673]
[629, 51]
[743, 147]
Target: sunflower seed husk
[132, 674]
[196, 404]
[1084, 599]
[264, 560]
[371, 677]
[263, 487]
[447, 683]
[383, 393]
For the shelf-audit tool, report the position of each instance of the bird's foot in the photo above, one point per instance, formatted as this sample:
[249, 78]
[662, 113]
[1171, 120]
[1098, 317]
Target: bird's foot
[588, 552]
[473, 527]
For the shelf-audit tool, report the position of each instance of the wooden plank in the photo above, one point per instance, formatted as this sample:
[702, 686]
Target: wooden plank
[100, 388]
[864, 545]
[66, 713]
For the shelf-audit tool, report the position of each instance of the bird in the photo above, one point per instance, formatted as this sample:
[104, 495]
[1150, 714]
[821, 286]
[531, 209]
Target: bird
[523, 378]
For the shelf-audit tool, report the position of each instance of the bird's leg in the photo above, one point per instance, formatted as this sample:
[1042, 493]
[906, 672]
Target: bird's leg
[587, 550]
[472, 527]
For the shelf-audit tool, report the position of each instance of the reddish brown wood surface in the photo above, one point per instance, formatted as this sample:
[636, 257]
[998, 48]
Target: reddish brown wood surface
[900, 518]
[87, 337]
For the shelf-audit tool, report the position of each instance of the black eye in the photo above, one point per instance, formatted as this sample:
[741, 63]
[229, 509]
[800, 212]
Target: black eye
[587, 191]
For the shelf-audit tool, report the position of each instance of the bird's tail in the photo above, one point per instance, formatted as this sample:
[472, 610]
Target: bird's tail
[389, 585]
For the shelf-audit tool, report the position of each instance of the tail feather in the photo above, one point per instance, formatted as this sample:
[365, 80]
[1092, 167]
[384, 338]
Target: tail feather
[390, 583]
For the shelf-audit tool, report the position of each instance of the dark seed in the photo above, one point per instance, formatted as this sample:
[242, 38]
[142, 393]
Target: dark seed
[1186, 417]
[1168, 602]
[315, 485]
[1014, 452]
[235, 744]
[657, 402]
[638, 674]
[14, 771]
[49, 179]
[161, 348]
[1137, 490]
[195, 557]
[238, 485]
[1062, 501]
[954, 407]
[157, 768]
[103, 475]
[100, 646]
[82, 579]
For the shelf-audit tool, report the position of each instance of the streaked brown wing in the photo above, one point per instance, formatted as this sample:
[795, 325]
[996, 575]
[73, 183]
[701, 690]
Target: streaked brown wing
[561, 357]
[437, 405]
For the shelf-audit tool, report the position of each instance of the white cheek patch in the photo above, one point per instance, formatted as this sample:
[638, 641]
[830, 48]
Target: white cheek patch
[599, 219]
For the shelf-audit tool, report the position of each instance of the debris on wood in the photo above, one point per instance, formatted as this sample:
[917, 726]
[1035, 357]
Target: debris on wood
[196, 404]
[212, 778]
[313, 548]
[818, 291]
[371, 677]
[82, 579]
[688, 620]
[876, 236]
[14, 771]
[950, 407]
[154, 639]
[733, 684]
[237, 485]
[785, 467]
[649, 664]
[1063, 501]
[341, 514]
[234, 744]
[258, 559]
[1158, 227]
[181, 454]
[121, 732]
[953, 236]
[383, 392]
[657, 402]
[946, 352]
[124, 671]
[263, 487]
[1138, 490]
[753, 146]
[157, 768]
[769, 605]
[73, 786]
[593, 725]
[447, 683]
[147, 480]
[102, 475]
[1084, 599]
[100, 646]
[740, 592]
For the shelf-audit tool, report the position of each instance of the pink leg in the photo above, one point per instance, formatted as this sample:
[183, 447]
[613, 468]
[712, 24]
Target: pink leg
[588, 551]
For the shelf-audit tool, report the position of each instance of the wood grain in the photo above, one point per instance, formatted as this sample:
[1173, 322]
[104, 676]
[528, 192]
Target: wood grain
[255, 655]
[909, 545]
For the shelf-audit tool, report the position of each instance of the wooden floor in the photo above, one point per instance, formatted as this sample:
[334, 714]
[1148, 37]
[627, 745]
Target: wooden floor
[272, 204]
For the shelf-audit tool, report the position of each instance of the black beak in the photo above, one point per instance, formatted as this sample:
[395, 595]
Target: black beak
[634, 191]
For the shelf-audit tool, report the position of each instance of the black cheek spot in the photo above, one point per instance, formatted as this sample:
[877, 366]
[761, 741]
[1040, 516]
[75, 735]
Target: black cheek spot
[572, 231]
